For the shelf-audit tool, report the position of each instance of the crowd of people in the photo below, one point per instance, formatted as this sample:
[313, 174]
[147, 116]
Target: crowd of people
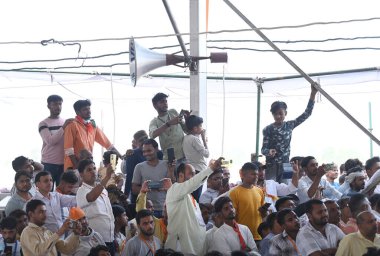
[169, 200]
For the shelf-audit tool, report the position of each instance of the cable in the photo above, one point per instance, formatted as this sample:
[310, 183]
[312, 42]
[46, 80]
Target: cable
[201, 33]
[289, 50]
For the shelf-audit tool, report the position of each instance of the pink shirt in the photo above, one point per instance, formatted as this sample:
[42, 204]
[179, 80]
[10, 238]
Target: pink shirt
[52, 136]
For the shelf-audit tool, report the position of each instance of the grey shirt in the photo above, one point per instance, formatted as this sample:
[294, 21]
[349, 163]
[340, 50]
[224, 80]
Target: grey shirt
[144, 171]
[136, 246]
[16, 202]
[172, 137]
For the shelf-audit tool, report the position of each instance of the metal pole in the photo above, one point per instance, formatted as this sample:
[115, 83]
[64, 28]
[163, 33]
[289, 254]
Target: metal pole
[306, 76]
[370, 128]
[259, 83]
[178, 34]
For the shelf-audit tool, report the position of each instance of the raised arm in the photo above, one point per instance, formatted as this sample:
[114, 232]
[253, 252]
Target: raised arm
[98, 189]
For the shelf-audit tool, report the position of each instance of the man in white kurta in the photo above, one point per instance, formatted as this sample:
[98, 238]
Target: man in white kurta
[186, 229]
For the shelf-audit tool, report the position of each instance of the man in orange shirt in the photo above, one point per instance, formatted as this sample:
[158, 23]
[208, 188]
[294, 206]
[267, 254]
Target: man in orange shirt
[248, 200]
[81, 134]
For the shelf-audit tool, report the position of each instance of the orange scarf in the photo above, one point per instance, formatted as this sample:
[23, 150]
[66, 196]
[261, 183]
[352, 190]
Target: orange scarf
[235, 227]
[164, 229]
[90, 125]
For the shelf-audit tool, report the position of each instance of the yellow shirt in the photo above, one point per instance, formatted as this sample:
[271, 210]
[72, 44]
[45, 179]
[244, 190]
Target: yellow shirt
[247, 201]
[355, 244]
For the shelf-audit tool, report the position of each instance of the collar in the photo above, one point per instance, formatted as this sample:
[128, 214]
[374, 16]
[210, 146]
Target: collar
[32, 225]
[284, 234]
[360, 235]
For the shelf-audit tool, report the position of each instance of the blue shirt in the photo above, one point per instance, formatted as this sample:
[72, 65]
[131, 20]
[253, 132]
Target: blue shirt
[279, 138]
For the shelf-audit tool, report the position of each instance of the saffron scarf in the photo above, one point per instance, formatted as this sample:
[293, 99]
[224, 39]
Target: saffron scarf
[243, 245]
[90, 124]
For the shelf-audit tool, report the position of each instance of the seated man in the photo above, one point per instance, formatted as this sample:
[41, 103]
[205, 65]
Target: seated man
[23, 185]
[284, 243]
[88, 238]
[356, 182]
[318, 237]
[311, 185]
[22, 221]
[357, 243]
[145, 243]
[54, 202]
[9, 233]
[214, 184]
[275, 229]
[232, 236]
[37, 240]
[99, 250]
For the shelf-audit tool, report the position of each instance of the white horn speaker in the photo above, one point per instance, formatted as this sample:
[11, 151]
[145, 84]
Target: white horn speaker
[143, 60]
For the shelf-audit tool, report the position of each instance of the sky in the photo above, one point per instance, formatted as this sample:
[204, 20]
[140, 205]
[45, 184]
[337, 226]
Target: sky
[121, 109]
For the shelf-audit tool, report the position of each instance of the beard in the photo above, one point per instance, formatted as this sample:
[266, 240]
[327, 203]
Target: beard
[147, 232]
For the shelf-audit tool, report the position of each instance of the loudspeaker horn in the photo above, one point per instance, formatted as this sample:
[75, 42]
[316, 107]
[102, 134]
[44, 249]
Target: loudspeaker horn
[143, 60]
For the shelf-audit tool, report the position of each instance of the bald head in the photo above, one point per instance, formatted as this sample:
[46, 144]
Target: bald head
[367, 224]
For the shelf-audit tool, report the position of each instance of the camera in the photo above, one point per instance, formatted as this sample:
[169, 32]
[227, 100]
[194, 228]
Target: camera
[154, 184]
[73, 224]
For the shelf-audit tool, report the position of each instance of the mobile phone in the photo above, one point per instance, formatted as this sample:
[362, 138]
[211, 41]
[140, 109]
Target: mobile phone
[113, 160]
[171, 156]
[155, 185]
[73, 224]
[181, 113]
[266, 205]
[287, 171]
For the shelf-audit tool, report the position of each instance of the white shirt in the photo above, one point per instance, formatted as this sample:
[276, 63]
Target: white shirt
[209, 238]
[310, 240]
[226, 240]
[88, 242]
[304, 184]
[54, 206]
[99, 213]
[195, 152]
[183, 211]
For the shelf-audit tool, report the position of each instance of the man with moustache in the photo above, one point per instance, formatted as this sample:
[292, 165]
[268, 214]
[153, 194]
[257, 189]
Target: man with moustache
[51, 130]
[284, 244]
[145, 243]
[82, 133]
[232, 236]
[318, 237]
[357, 243]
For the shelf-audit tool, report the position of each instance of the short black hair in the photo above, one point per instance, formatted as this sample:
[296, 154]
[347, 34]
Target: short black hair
[107, 156]
[296, 158]
[8, 223]
[309, 205]
[41, 174]
[354, 203]
[271, 220]
[370, 162]
[151, 142]
[95, 250]
[69, 177]
[142, 214]
[54, 98]
[22, 173]
[32, 205]
[262, 226]
[220, 170]
[193, 121]
[214, 253]
[117, 210]
[305, 161]
[79, 104]
[18, 213]
[278, 105]
[281, 201]
[159, 96]
[249, 167]
[239, 253]
[167, 252]
[351, 163]
[181, 168]
[280, 217]
[220, 202]
[83, 163]
[18, 162]
[140, 136]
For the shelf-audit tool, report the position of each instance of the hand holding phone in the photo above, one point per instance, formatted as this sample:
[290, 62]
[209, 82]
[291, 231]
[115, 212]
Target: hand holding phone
[171, 156]
[113, 161]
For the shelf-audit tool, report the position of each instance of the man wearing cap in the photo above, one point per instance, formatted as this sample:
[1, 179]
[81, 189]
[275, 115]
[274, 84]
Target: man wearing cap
[354, 182]
[278, 135]
[88, 238]
[168, 126]
[51, 130]
[82, 133]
